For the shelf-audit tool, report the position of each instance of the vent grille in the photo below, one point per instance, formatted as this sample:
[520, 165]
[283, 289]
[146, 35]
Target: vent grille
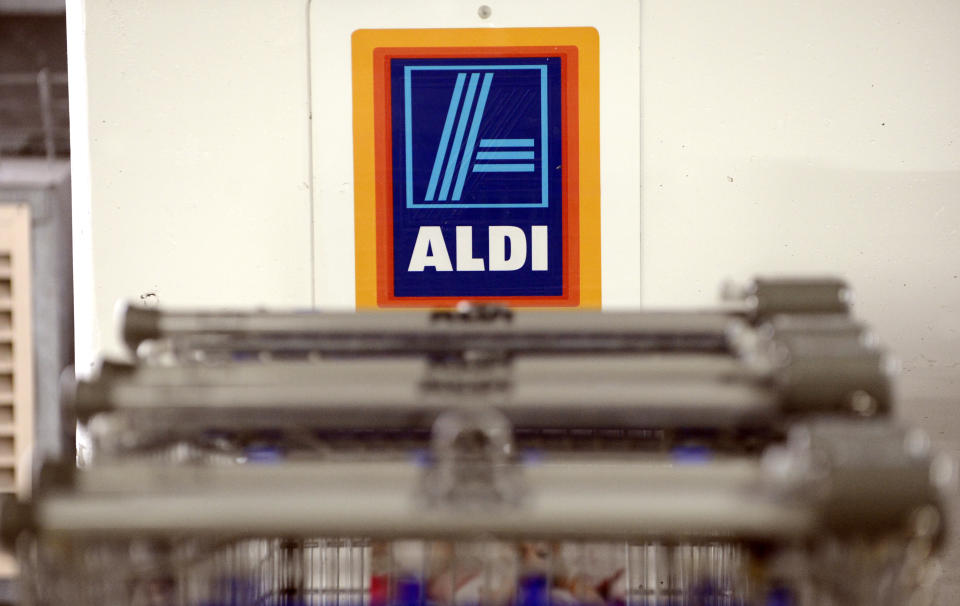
[16, 350]
[16, 359]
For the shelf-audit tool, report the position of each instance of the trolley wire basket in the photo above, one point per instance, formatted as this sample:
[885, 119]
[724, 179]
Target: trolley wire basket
[842, 513]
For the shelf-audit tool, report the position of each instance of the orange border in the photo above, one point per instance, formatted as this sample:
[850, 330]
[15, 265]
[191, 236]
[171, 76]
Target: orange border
[582, 247]
[570, 295]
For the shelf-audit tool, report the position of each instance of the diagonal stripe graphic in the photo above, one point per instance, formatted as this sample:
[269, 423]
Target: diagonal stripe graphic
[472, 138]
[458, 137]
[445, 136]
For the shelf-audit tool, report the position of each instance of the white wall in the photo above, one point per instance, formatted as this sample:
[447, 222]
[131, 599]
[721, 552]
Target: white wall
[813, 136]
[193, 159]
[808, 136]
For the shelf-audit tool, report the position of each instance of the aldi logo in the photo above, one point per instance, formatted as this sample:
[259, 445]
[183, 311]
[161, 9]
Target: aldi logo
[477, 192]
[490, 145]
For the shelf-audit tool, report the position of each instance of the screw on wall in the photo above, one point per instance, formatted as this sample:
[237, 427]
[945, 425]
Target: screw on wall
[484, 11]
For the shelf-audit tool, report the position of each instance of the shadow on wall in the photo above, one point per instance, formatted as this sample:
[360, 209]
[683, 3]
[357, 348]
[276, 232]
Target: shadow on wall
[34, 117]
[894, 235]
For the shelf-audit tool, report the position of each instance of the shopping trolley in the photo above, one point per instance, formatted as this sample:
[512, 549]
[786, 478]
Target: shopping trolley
[742, 455]
[841, 513]
[249, 383]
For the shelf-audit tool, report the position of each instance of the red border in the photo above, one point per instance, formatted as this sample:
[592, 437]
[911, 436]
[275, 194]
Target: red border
[570, 187]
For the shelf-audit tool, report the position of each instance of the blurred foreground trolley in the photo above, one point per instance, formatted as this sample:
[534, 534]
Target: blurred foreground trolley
[246, 385]
[481, 456]
[843, 513]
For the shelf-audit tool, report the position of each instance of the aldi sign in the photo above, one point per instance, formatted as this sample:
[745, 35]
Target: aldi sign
[477, 189]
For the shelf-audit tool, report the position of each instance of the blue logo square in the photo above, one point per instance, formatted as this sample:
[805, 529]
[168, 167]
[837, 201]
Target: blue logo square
[476, 134]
